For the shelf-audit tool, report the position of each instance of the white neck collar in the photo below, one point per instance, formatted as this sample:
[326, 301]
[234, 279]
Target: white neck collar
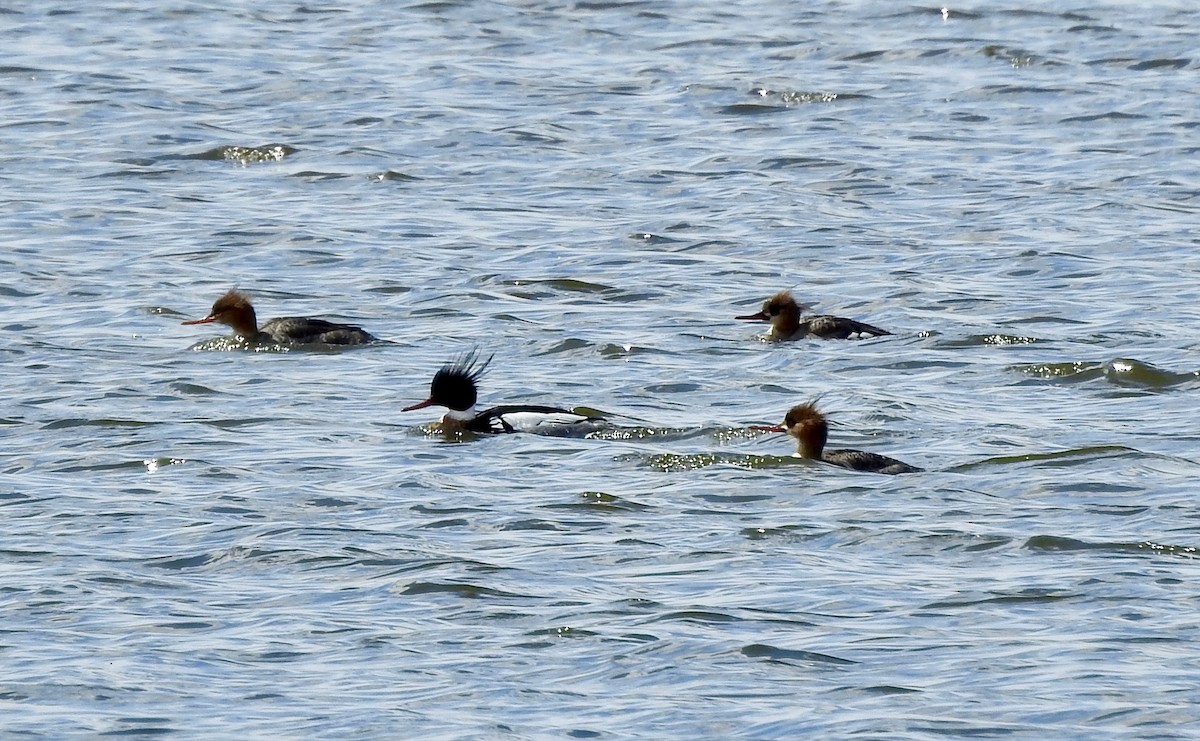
[465, 415]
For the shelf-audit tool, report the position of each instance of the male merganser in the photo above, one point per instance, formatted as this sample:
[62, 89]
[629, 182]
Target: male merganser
[234, 309]
[454, 387]
[782, 311]
[805, 423]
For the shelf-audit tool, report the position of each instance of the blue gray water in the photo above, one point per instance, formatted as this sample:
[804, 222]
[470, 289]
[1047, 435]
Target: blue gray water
[225, 544]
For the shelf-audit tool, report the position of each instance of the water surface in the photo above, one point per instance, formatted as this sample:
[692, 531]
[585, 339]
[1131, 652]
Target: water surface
[214, 543]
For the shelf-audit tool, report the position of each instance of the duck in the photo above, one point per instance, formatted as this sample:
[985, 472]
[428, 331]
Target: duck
[235, 310]
[783, 312]
[456, 387]
[810, 427]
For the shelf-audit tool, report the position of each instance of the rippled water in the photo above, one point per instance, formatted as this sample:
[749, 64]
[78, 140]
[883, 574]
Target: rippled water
[206, 542]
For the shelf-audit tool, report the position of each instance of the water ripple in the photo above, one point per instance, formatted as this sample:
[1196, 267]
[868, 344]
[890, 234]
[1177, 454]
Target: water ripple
[225, 543]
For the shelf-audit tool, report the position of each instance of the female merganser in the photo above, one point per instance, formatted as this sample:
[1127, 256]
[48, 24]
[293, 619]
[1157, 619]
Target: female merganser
[454, 387]
[782, 311]
[805, 423]
[234, 309]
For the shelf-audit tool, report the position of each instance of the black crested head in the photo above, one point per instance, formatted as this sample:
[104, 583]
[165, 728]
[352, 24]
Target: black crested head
[454, 386]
